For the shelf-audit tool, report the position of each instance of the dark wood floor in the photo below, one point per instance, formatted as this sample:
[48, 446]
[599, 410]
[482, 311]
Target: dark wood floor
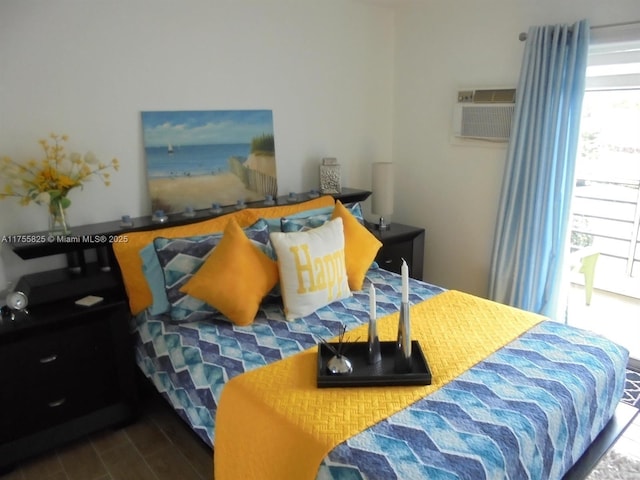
[159, 446]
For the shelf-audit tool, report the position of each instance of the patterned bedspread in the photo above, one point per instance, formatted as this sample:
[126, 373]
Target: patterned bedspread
[527, 411]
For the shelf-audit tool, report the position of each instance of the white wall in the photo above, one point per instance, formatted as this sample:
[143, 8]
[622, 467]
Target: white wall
[447, 186]
[351, 79]
[87, 69]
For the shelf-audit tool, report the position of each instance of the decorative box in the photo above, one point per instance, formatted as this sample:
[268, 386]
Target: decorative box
[330, 176]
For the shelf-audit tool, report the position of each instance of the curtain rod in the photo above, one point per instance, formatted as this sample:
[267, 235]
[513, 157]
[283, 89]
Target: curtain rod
[523, 35]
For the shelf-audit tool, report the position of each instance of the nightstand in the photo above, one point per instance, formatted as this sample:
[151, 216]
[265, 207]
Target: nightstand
[398, 242]
[66, 370]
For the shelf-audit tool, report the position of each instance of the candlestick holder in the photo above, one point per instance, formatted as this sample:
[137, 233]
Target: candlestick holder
[373, 350]
[403, 344]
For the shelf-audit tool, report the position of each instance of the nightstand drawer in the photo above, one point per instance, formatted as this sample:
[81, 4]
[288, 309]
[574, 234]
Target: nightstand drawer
[43, 358]
[400, 242]
[37, 407]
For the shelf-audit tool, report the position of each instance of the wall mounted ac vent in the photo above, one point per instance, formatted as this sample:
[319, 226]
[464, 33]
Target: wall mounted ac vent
[484, 114]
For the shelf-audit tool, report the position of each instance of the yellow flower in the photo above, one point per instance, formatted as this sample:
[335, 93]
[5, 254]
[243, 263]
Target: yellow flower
[65, 182]
[90, 158]
[52, 176]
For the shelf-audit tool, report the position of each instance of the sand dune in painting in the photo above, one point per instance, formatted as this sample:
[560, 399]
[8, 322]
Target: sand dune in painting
[174, 194]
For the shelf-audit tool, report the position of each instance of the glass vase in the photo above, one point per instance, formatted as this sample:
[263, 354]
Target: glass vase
[58, 221]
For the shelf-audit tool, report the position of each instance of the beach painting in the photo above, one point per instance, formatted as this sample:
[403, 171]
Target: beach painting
[198, 158]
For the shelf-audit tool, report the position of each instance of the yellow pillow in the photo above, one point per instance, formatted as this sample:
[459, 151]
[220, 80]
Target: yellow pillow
[312, 268]
[235, 278]
[360, 246]
[128, 254]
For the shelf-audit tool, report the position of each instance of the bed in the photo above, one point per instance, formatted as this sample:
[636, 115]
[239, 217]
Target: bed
[529, 409]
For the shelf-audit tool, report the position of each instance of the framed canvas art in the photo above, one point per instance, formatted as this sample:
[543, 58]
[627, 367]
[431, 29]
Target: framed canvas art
[198, 158]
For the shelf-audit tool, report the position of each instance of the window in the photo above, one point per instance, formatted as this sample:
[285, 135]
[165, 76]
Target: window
[606, 206]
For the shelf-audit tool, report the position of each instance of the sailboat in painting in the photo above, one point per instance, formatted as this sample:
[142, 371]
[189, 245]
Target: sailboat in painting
[170, 149]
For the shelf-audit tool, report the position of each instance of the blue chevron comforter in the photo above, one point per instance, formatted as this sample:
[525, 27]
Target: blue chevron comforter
[528, 411]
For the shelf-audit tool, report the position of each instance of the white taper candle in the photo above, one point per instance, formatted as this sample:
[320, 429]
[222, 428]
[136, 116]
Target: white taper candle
[405, 281]
[372, 302]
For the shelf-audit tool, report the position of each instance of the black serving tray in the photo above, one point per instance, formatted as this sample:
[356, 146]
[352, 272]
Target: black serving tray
[377, 375]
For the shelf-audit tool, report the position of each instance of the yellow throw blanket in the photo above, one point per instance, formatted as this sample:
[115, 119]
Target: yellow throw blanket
[274, 423]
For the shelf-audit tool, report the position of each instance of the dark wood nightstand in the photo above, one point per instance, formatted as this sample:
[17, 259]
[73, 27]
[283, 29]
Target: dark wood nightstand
[66, 370]
[398, 242]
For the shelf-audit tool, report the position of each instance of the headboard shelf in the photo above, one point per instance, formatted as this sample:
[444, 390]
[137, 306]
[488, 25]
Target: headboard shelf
[102, 234]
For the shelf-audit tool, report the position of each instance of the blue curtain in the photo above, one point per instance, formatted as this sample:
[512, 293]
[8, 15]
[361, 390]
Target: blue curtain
[531, 231]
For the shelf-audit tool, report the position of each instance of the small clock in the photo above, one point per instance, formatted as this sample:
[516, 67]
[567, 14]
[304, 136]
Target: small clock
[17, 301]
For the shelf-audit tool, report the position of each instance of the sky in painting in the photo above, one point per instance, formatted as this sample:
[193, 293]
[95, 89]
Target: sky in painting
[205, 127]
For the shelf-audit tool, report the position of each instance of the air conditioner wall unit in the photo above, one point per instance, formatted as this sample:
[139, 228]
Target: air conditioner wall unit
[484, 114]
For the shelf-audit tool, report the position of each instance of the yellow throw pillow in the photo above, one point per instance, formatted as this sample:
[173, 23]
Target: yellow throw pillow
[130, 263]
[360, 246]
[312, 268]
[235, 278]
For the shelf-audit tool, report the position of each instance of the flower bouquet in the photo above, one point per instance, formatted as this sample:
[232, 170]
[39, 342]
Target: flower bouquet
[49, 180]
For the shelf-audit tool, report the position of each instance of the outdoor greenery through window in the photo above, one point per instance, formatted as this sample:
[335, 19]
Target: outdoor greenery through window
[606, 206]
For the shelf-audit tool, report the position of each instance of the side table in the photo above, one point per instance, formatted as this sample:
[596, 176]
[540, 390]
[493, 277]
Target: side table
[66, 370]
[400, 242]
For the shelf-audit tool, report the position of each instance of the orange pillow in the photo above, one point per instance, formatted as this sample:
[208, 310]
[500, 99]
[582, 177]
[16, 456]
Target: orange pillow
[360, 246]
[128, 254]
[235, 278]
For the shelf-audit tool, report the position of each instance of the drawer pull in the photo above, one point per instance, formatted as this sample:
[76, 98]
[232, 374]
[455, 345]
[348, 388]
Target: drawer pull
[57, 403]
[49, 359]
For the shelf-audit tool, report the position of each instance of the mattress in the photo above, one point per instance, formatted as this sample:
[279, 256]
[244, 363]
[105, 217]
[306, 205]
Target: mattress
[527, 411]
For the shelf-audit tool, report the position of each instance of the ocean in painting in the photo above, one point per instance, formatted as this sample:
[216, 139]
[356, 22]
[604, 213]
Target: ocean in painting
[192, 160]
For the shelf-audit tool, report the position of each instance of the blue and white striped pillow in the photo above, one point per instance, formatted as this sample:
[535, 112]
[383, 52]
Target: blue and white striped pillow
[301, 223]
[181, 258]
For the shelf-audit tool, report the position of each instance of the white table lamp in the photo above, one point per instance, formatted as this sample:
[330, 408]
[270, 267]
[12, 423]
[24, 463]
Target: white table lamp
[382, 192]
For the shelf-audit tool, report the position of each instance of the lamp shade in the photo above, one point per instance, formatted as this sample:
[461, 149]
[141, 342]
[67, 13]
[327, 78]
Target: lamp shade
[382, 189]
